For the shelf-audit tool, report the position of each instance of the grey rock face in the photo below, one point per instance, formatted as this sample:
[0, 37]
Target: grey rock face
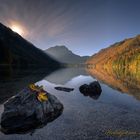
[24, 112]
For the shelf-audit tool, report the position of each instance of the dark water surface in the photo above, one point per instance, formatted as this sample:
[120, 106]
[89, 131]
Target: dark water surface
[114, 115]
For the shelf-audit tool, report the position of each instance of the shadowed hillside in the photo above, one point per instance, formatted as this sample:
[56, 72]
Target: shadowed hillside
[16, 51]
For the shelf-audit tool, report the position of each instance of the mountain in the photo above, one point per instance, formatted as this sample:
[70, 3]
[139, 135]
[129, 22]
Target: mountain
[16, 51]
[64, 55]
[121, 54]
[118, 66]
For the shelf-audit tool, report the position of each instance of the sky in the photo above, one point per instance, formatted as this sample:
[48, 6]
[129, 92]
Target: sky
[84, 26]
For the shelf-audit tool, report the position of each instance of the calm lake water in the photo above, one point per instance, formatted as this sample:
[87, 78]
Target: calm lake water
[114, 115]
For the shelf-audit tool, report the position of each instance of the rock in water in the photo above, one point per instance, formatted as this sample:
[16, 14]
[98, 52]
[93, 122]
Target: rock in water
[24, 112]
[92, 90]
[66, 89]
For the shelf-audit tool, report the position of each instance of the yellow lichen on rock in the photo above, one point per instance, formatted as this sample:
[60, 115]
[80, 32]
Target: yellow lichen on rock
[41, 94]
[42, 97]
[33, 87]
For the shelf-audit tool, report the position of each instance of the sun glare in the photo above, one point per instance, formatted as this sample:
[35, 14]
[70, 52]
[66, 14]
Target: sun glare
[17, 29]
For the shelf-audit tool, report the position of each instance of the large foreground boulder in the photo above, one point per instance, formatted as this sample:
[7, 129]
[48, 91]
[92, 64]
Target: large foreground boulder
[24, 112]
[92, 90]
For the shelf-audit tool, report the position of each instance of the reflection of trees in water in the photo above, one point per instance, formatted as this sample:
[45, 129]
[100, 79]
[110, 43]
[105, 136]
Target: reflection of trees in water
[13, 80]
[129, 75]
[123, 78]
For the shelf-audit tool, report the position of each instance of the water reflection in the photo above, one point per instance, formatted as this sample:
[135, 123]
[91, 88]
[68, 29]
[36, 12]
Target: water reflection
[123, 79]
[62, 76]
[14, 80]
[82, 117]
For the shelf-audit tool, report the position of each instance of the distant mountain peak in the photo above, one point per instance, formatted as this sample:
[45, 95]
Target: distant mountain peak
[59, 47]
[63, 54]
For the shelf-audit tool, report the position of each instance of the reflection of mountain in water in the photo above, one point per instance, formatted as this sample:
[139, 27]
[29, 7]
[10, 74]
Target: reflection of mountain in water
[123, 79]
[64, 75]
[12, 81]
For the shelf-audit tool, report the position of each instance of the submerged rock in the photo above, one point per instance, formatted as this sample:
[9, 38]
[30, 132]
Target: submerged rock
[64, 89]
[92, 90]
[24, 112]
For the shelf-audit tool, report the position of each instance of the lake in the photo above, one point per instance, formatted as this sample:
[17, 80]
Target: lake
[115, 114]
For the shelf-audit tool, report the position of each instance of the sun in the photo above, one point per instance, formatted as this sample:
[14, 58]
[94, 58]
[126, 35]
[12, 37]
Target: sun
[18, 29]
